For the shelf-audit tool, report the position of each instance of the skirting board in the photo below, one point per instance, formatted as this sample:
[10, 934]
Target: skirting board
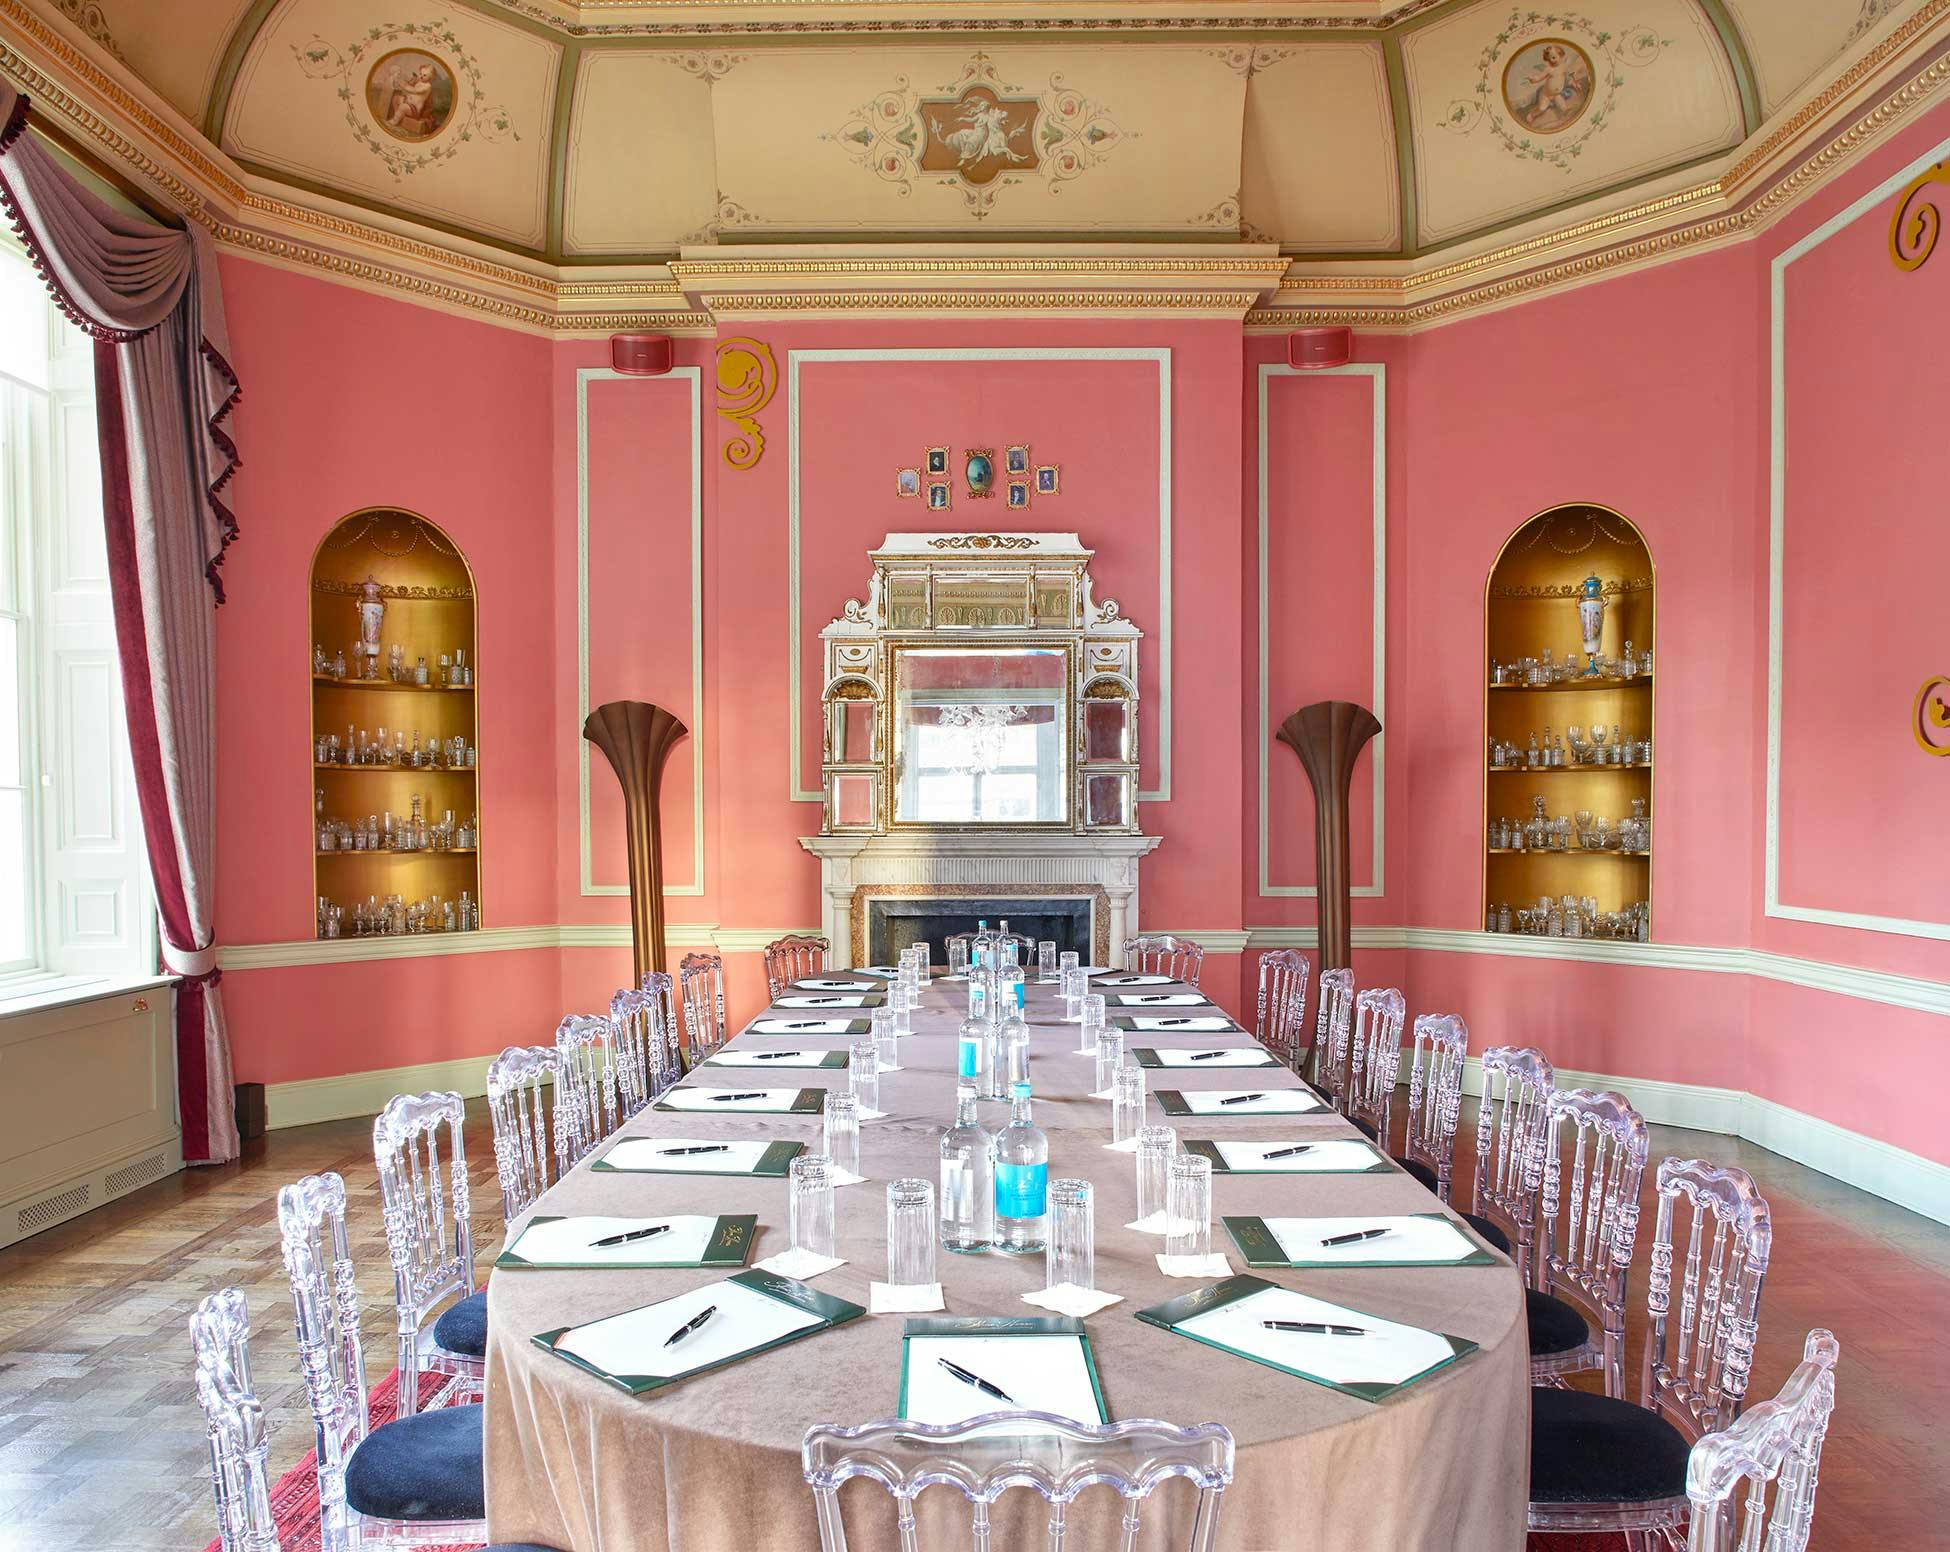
[304, 1101]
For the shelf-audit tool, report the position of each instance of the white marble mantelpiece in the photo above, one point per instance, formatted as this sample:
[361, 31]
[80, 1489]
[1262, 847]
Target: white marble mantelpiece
[1019, 864]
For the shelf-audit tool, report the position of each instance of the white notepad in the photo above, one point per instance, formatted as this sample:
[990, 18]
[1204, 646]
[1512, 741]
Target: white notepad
[633, 1342]
[1159, 1000]
[701, 1099]
[1136, 980]
[823, 1000]
[1427, 1240]
[1243, 1056]
[1181, 1023]
[1207, 1102]
[833, 986]
[802, 1026]
[569, 1241]
[1040, 1374]
[1334, 1156]
[656, 1153]
[1389, 1354]
[763, 1059]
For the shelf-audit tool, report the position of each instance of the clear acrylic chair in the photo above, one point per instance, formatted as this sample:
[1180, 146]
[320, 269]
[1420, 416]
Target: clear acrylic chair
[597, 1081]
[792, 958]
[1512, 1126]
[1375, 1060]
[639, 1020]
[1435, 1100]
[986, 1456]
[1603, 1463]
[1587, 1237]
[1163, 953]
[1333, 1025]
[430, 1241]
[239, 1442]
[701, 980]
[1280, 1022]
[527, 1159]
[1774, 1442]
[661, 987]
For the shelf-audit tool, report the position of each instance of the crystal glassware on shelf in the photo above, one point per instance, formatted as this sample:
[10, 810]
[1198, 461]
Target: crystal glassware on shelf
[1071, 1261]
[809, 1204]
[842, 1134]
[1188, 1206]
[1157, 1146]
[967, 1200]
[1126, 1102]
[1021, 1179]
[910, 1233]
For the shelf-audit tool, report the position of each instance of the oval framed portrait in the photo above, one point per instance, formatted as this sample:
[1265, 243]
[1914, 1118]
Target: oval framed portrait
[411, 93]
[1547, 85]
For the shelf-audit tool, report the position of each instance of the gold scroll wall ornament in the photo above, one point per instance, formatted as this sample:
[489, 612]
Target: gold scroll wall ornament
[1914, 228]
[982, 542]
[747, 379]
[1931, 719]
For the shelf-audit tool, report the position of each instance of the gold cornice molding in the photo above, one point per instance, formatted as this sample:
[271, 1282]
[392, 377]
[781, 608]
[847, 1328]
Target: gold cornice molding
[925, 303]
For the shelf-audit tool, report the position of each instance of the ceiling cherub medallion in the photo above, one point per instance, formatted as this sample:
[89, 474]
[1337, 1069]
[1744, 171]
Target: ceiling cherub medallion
[1548, 82]
[982, 134]
[417, 102]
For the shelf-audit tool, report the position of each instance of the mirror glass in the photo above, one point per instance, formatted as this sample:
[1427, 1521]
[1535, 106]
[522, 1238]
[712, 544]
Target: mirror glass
[1106, 800]
[980, 735]
[1106, 730]
[853, 799]
[852, 732]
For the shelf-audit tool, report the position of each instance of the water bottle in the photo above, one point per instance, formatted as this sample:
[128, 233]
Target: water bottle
[1021, 1179]
[967, 1195]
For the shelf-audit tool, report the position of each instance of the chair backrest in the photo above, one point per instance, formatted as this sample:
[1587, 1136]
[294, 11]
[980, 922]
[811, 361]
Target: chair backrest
[985, 1456]
[523, 1158]
[642, 1047]
[1697, 1375]
[1777, 1441]
[1590, 1228]
[1376, 1057]
[429, 1232]
[702, 981]
[1163, 953]
[661, 987]
[1512, 1130]
[789, 958]
[1435, 1094]
[331, 1359]
[595, 1082]
[1281, 1021]
[239, 1443]
[1333, 1023]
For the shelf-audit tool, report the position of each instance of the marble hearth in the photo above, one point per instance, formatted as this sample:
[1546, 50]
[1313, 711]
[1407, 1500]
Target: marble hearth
[1043, 871]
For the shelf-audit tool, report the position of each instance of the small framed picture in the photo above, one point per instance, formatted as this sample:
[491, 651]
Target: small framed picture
[938, 495]
[907, 482]
[1018, 460]
[1018, 493]
[937, 461]
[1049, 479]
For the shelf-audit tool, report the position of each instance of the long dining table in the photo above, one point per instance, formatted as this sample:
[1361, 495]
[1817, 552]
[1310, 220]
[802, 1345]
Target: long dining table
[712, 1464]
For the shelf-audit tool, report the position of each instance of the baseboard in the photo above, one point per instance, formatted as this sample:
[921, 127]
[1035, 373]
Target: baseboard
[304, 1101]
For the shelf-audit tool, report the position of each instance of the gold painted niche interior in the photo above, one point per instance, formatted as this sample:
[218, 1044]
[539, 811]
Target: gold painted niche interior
[1530, 606]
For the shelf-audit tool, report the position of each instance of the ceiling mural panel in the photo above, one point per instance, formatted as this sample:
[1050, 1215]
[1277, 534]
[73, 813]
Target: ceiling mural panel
[1790, 41]
[641, 169]
[1302, 97]
[1118, 139]
[436, 110]
[1517, 111]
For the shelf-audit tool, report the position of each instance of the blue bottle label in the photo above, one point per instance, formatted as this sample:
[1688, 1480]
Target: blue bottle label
[971, 1058]
[1021, 1190]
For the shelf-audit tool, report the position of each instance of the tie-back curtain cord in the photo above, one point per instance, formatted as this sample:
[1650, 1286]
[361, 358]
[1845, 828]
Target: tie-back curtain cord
[148, 296]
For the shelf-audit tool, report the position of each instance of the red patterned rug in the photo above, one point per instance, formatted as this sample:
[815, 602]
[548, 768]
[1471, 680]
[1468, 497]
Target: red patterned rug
[294, 1501]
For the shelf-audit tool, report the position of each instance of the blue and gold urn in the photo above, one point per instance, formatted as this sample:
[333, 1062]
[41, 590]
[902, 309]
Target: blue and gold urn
[981, 472]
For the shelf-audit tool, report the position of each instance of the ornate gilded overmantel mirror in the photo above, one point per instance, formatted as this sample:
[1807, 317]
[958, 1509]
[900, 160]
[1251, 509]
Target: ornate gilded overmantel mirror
[980, 717]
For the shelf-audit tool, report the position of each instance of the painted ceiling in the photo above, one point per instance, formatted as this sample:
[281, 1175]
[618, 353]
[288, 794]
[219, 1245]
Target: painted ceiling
[623, 132]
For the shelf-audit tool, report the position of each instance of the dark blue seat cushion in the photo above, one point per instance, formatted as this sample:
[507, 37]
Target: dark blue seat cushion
[1365, 1128]
[1488, 1231]
[1555, 1327]
[1593, 1449]
[1420, 1171]
[423, 1467]
[462, 1328]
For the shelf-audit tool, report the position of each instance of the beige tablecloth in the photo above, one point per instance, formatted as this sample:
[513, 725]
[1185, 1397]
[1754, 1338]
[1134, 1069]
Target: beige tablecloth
[712, 1464]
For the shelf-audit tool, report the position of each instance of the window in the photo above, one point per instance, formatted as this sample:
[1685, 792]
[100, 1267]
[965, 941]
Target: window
[74, 893]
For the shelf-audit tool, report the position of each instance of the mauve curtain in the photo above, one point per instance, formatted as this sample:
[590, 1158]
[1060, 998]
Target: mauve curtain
[148, 295]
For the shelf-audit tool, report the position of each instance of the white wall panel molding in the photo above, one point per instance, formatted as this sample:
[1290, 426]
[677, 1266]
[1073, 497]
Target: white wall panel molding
[691, 376]
[1377, 375]
[1158, 628]
[498, 940]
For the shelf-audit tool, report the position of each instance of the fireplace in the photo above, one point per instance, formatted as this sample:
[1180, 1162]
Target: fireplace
[893, 922]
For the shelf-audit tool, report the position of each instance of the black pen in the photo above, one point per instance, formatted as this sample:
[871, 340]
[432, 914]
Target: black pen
[1206, 1056]
[1287, 1153]
[1241, 1099]
[691, 1325]
[1354, 1238]
[1313, 1327]
[1172, 1023]
[772, 1056]
[719, 1099]
[633, 1234]
[976, 1380]
[716, 1147]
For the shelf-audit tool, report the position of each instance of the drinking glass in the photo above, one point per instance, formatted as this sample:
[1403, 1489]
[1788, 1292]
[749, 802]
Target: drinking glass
[900, 1003]
[1071, 1259]
[1126, 1102]
[958, 956]
[910, 1233]
[863, 1073]
[1072, 984]
[810, 1203]
[1188, 1206]
[1093, 1021]
[1045, 962]
[886, 1041]
[1156, 1147]
[843, 1131]
[923, 963]
[1109, 1047]
[1067, 960]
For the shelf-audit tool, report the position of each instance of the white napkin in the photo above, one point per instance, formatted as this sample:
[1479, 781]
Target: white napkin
[889, 1299]
[799, 1264]
[1128, 1145]
[1069, 1299]
[1155, 1224]
[1214, 1265]
[1104, 1094]
[873, 1115]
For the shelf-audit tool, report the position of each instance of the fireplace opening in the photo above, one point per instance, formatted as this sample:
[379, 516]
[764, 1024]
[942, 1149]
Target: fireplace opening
[896, 924]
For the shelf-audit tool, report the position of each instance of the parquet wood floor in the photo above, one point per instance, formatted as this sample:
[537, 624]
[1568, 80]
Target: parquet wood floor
[101, 1440]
